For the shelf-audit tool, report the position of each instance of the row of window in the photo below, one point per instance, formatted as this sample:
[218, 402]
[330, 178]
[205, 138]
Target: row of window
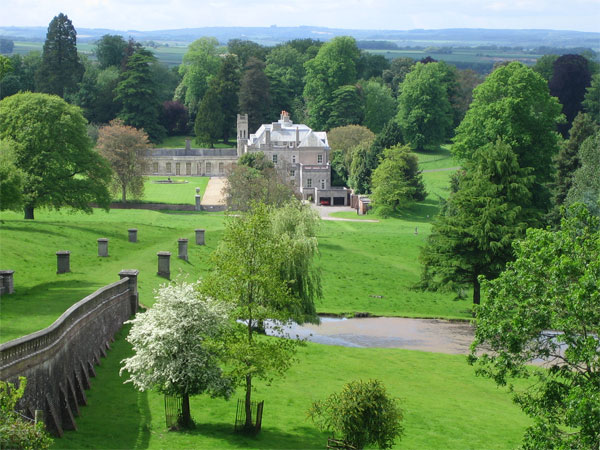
[188, 168]
[319, 159]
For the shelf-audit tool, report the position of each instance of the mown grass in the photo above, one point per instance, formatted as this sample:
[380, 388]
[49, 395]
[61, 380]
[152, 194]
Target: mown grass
[181, 192]
[445, 405]
[179, 142]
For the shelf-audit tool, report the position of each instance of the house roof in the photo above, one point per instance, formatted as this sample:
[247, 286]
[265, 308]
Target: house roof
[284, 132]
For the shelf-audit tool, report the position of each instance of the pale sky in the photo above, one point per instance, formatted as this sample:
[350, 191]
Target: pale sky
[143, 15]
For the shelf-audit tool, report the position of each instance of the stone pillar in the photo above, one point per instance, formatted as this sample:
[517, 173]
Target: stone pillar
[103, 247]
[199, 237]
[6, 282]
[132, 274]
[63, 264]
[164, 264]
[197, 190]
[198, 206]
[132, 234]
[183, 249]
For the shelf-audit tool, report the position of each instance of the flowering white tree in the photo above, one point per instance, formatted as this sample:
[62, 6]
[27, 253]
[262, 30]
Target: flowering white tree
[177, 346]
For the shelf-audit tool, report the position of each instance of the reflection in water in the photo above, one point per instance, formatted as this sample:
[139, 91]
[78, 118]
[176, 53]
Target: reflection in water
[387, 332]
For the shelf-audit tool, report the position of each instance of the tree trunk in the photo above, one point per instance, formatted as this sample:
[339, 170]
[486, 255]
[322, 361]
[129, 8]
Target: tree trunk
[476, 292]
[29, 212]
[186, 417]
[248, 424]
[123, 193]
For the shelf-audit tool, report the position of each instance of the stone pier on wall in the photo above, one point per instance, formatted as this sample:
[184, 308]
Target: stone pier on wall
[59, 360]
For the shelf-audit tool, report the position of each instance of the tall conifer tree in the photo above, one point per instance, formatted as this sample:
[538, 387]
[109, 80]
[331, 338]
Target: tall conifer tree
[60, 70]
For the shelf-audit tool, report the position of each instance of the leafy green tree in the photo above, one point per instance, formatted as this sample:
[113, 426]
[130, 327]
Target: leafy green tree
[370, 65]
[591, 101]
[14, 431]
[11, 179]
[397, 180]
[333, 67]
[5, 66]
[125, 148]
[52, 148]
[22, 76]
[254, 96]
[200, 64]
[462, 96]
[110, 50]
[513, 104]
[136, 91]
[361, 167]
[297, 224]
[424, 110]
[255, 160]
[545, 66]
[60, 70]
[570, 79]
[345, 139]
[244, 50]
[363, 414]
[347, 107]
[395, 75]
[285, 71]
[179, 347]
[473, 233]
[567, 160]
[380, 105]
[552, 285]
[209, 119]
[247, 265]
[585, 187]
[390, 135]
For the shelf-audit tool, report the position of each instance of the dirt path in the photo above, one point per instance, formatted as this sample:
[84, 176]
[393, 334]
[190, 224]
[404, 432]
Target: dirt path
[213, 194]
[325, 211]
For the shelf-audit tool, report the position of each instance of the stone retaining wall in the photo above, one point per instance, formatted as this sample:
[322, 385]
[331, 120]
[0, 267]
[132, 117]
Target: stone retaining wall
[59, 360]
[163, 206]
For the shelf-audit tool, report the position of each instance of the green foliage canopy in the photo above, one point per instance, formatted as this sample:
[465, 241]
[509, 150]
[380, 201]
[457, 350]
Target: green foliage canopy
[363, 414]
[51, 146]
[552, 285]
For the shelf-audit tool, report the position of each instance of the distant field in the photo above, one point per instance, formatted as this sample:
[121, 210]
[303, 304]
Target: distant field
[172, 55]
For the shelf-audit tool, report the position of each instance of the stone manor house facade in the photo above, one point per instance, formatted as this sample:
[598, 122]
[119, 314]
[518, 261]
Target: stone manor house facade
[300, 154]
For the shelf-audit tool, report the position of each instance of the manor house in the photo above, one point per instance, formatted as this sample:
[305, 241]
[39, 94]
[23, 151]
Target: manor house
[300, 154]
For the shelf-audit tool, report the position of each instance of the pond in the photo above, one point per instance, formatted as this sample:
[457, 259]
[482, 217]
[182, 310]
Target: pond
[430, 335]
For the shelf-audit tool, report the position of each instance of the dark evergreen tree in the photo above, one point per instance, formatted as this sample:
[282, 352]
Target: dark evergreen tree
[361, 167]
[60, 70]
[370, 65]
[227, 84]
[209, 119]
[474, 232]
[254, 94]
[347, 107]
[175, 118]
[570, 79]
[567, 161]
[137, 93]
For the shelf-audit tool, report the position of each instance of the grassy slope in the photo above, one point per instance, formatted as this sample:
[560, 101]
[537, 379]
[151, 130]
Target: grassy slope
[445, 405]
[171, 193]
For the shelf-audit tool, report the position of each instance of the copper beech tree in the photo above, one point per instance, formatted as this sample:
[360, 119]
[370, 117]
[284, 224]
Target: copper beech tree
[125, 149]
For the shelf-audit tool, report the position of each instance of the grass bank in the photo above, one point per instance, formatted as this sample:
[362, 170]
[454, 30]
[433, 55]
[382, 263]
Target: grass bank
[445, 405]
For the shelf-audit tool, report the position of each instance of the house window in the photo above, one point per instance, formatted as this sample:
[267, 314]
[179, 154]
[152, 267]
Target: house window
[309, 182]
[274, 159]
[177, 169]
[322, 184]
[294, 159]
[221, 168]
[188, 168]
[319, 159]
[292, 173]
[168, 167]
[198, 168]
[208, 168]
[155, 167]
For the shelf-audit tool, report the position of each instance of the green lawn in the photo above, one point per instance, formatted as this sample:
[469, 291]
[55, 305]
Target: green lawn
[445, 405]
[179, 142]
[176, 193]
